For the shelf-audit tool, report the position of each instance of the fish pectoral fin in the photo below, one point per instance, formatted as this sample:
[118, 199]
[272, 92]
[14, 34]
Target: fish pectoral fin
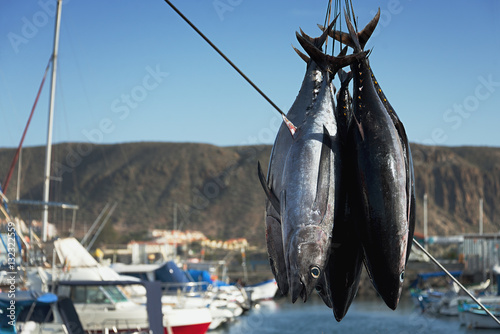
[407, 156]
[283, 204]
[359, 126]
[269, 192]
[275, 252]
[324, 172]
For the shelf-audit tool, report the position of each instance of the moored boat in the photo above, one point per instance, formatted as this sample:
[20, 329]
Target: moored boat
[472, 316]
[262, 291]
[31, 311]
[103, 306]
[180, 291]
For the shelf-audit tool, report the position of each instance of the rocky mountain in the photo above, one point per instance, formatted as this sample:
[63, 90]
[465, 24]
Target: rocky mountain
[216, 189]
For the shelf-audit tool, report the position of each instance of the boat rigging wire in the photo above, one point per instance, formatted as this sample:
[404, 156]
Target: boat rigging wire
[229, 61]
[5, 213]
[327, 23]
[349, 9]
[16, 156]
[454, 280]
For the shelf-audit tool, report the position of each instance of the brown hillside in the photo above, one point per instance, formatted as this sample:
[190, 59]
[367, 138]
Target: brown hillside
[217, 190]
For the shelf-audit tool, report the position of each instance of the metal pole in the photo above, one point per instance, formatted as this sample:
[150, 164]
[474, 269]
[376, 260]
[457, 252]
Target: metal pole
[48, 149]
[73, 222]
[174, 232]
[94, 225]
[480, 216]
[425, 219]
[19, 166]
[110, 212]
[175, 216]
[244, 264]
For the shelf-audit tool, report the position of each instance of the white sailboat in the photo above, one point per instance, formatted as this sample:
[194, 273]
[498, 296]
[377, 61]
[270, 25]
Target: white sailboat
[45, 203]
[101, 306]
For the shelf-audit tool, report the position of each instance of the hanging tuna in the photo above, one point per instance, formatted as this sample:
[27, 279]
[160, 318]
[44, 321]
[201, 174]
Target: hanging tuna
[340, 183]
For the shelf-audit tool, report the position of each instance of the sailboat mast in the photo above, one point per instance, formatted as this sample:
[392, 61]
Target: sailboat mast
[48, 148]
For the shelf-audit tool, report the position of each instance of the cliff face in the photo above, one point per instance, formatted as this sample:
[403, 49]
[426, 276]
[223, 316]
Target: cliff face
[216, 189]
[455, 179]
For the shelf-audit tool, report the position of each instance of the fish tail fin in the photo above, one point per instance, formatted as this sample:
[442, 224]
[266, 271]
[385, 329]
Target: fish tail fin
[326, 62]
[340, 36]
[344, 77]
[319, 41]
[352, 33]
[301, 55]
[363, 36]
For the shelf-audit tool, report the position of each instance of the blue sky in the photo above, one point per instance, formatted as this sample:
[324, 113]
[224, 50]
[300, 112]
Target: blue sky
[132, 70]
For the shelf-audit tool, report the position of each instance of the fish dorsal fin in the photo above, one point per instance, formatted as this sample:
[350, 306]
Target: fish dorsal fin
[301, 55]
[269, 192]
[324, 172]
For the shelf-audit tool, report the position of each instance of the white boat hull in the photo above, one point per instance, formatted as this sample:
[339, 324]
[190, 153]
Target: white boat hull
[262, 291]
[479, 319]
[125, 317]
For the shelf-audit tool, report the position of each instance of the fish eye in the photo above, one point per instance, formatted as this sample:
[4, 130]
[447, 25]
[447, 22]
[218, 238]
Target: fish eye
[402, 276]
[315, 272]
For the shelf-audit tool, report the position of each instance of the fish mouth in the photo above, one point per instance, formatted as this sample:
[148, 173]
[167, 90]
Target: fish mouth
[391, 297]
[389, 287]
[392, 301]
[298, 289]
[302, 286]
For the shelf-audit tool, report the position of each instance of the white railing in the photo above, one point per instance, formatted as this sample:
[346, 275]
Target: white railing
[122, 326]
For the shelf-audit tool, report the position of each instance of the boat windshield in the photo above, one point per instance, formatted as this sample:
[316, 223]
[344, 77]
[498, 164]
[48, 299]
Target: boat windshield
[97, 295]
[40, 313]
[114, 293]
